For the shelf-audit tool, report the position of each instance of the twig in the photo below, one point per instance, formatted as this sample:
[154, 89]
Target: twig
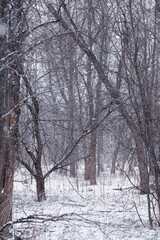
[139, 215]
[74, 188]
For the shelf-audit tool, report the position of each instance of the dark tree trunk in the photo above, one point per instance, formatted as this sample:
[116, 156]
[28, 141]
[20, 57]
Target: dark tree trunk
[73, 169]
[87, 168]
[114, 159]
[40, 185]
[9, 114]
[93, 159]
[100, 163]
[142, 165]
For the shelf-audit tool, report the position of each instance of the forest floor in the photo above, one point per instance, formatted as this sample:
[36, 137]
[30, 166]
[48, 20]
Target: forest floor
[74, 210]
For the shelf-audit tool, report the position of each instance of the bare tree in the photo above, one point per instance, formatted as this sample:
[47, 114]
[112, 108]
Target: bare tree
[12, 25]
[131, 51]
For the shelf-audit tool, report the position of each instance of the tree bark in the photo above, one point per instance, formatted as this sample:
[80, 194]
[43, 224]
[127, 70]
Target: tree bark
[114, 159]
[142, 165]
[9, 109]
[93, 158]
[40, 184]
[86, 168]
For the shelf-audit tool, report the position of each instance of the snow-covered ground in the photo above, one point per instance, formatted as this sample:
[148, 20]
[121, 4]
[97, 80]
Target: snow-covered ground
[74, 210]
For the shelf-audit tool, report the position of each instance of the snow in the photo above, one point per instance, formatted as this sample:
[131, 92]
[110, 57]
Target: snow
[74, 210]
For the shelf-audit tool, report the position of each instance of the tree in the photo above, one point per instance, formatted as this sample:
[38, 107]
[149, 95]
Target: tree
[129, 55]
[10, 69]
[36, 154]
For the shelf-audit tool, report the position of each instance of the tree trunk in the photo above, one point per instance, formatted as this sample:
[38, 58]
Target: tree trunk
[99, 137]
[100, 163]
[71, 105]
[86, 168]
[86, 160]
[114, 159]
[72, 167]
[142, 165]
[72, 159]
[40, 184]
[9, 114]
[93, 159]
[7, 159]
[8, 150]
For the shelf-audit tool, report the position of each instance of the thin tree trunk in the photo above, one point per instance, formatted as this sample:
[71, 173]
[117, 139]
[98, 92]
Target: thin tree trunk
[86, 160]
[93, 159]
[114, 159]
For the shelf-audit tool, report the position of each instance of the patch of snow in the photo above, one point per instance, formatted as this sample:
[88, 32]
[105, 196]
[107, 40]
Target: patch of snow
[102, 212]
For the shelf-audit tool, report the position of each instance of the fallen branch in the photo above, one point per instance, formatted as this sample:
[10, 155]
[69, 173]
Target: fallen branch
[41, 219]
[128, 188]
